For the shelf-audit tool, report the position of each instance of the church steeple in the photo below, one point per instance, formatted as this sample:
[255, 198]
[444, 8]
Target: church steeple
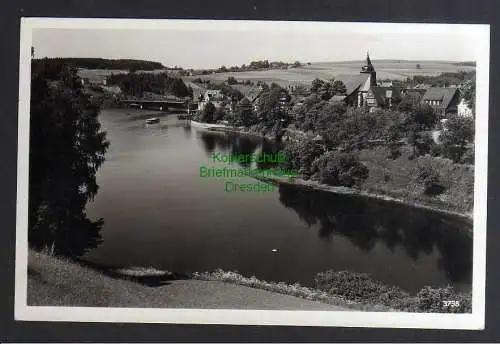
[369, 69]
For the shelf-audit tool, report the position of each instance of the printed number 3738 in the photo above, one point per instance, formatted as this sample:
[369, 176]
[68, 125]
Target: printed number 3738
[451, 303]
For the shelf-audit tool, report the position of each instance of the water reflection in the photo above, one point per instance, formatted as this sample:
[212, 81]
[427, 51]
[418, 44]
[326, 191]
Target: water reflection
[369, 222]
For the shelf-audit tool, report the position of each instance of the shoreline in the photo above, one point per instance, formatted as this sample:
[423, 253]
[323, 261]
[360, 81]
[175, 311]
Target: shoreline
[150, 287]
[343, 190]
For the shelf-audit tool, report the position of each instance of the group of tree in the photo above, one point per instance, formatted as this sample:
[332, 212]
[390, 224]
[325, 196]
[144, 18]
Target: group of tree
[442, 80]
[253, 65]
[67, 147]
[328, 89]
[135, 84]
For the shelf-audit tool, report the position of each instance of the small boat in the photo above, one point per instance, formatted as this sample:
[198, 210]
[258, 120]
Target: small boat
[152, 120]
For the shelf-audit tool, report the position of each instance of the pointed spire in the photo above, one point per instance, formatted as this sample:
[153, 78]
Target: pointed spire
[368, 61]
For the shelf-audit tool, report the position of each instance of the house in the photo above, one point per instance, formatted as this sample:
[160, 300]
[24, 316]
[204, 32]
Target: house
[444, 100]
[213, 96]
[415, 93]
[382, 97]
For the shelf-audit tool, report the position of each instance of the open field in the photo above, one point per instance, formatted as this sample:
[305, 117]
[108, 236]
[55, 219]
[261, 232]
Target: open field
[386, 69]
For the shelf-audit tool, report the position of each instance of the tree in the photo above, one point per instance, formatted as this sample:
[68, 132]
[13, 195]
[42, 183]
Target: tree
[457, 134]
[407, 104]
[67, 147]
[316, 85]
[468, 93]
[208, 113]
[338, 87]
[245, 114]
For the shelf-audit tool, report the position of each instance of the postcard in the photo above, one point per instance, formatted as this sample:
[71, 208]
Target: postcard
[252, 173]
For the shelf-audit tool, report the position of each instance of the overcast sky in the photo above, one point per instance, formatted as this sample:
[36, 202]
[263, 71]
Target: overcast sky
[210, 45]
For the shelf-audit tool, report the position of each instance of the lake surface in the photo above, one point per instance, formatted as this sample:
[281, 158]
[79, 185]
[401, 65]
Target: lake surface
[158, 212]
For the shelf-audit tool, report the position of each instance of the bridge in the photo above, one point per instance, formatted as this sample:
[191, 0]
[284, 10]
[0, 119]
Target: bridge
[168, 104]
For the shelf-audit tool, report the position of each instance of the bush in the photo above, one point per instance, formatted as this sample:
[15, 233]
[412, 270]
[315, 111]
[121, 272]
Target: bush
[340, 169]
[431, 179]
[435, 149]
[468, 156]
[301, 155]
[358, 287]
[394, 152]
[432, 300]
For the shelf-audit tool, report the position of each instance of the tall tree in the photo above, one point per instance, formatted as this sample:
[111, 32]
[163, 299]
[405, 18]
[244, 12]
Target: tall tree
[67, 147]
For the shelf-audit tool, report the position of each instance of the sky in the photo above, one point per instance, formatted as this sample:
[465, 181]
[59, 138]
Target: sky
[211, 44]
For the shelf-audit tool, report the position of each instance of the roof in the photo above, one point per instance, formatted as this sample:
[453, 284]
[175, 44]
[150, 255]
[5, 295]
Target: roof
[352, 83]
[442, 94]
[248, 91]
[337, 98]
[379, 93]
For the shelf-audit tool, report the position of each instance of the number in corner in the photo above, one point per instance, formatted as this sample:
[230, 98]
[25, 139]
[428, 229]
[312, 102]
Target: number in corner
[451, 303]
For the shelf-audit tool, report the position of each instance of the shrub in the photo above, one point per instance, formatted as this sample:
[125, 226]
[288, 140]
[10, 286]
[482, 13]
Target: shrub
[432, 300]
[435, 149]
[301, 155]
[358, 287]
[340, 169]
[394, 152]
[431, 179]
[468, 156]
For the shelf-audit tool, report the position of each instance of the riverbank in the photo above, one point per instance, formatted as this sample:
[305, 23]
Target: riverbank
[59, 282]
[315, 185]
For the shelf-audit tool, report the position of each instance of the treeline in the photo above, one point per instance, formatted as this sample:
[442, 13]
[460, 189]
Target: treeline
[253, 65]
[136, 84]
[442, 80]
[100, 63]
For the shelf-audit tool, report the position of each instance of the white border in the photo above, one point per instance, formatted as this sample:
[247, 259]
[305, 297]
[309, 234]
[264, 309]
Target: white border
[474, 321]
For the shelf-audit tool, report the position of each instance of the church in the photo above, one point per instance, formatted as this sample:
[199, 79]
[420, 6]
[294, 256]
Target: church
[363, 91]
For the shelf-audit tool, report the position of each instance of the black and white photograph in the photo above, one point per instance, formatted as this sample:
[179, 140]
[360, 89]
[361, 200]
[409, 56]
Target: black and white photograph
[252, 173]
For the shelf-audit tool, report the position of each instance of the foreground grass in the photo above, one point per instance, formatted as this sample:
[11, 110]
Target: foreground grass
[59, 282]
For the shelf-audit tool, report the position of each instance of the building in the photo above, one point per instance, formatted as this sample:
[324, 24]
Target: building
[444, 100]
[382, 97]
[416, 93]
[357, 86]
[213, 96]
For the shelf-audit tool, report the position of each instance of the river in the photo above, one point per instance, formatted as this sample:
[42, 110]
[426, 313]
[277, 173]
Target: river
[158, 212]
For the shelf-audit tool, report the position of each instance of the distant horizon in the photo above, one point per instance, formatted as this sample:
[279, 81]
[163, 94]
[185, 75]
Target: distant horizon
[212, 44]
[270, 61]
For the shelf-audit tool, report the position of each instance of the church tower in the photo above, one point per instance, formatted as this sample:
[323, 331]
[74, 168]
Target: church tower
[368, 69]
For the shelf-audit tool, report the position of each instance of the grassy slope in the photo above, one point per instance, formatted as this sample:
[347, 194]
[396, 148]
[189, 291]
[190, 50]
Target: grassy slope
[57, 282]
[401, 183]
